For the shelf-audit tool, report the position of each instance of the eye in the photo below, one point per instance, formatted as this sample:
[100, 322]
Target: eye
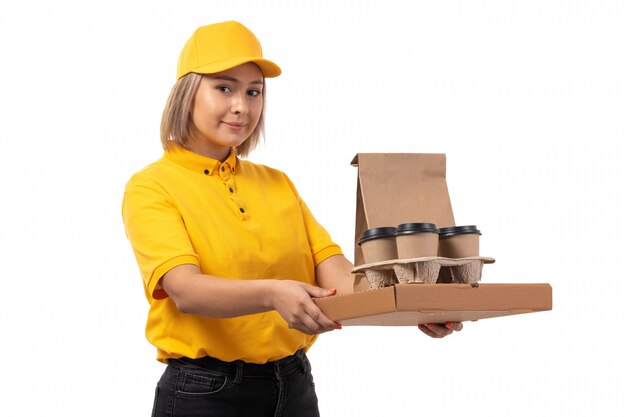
[224, 88]
[254, 93]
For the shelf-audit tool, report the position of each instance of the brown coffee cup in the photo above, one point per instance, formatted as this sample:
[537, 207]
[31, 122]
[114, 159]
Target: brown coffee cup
[378, 244]
[459, 242]
[416, 240]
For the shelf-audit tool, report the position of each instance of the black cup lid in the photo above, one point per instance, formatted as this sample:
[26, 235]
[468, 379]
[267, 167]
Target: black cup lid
[410, 228]
[458, 230]
[377, 233]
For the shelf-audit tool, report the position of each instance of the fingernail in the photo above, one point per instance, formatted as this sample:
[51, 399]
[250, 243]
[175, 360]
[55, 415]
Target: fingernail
[421, 326]
[338, 327]
[449, 325]
[431, 325]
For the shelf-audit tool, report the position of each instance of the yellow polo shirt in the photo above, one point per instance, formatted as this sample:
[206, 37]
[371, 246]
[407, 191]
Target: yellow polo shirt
[233, 220]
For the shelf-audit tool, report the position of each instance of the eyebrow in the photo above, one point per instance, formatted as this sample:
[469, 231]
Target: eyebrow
[235, 80]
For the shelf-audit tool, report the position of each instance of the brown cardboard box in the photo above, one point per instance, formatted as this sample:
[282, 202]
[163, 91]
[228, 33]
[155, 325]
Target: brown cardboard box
[407, 188]
[412, 304]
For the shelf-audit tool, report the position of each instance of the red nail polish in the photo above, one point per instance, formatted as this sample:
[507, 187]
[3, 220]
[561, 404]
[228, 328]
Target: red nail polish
[338, 327]
[449, 325]
[431, 325]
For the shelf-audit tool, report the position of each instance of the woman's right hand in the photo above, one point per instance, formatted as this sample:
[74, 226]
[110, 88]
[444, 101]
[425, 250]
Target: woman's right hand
[292, 300]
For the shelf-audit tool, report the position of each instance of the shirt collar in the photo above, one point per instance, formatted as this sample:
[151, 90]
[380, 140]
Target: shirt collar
[199, 163]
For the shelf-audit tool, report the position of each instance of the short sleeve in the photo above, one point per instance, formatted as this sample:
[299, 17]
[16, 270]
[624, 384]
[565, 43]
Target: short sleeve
[156, 231]
[322, 246]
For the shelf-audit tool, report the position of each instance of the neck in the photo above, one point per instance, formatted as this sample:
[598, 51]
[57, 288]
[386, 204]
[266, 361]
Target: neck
[215, 152]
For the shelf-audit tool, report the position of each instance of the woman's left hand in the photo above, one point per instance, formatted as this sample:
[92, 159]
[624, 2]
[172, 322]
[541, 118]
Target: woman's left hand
[440, 330]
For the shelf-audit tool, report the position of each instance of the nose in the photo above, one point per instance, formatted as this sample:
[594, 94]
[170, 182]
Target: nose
[239, 104]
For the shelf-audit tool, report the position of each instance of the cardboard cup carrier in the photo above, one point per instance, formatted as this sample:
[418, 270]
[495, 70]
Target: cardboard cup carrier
[421, 254]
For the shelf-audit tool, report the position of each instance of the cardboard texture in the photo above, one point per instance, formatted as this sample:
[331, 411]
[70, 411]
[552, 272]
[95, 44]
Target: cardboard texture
[412, 304]
[425, 269]
[376, 250]
[417, 245]
[459, 246]
[406, 188]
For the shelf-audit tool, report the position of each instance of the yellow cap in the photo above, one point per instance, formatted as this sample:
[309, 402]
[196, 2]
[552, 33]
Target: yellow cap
[221, 46]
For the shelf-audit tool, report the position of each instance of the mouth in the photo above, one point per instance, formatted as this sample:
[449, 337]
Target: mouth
[234, 125]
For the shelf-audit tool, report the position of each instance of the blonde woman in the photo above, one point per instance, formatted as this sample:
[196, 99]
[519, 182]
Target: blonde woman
[230, 255]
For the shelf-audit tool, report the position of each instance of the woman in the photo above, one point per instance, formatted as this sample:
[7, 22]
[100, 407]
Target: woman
[229, 253]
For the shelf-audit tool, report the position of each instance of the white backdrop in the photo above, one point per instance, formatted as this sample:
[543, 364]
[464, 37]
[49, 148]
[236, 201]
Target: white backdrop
[527, 99]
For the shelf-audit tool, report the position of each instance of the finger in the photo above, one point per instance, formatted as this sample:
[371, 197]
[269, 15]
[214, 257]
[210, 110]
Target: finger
[310, 326]
[424, 328]
[319, 317]
[303, 322]
[302, 329]
[319, 292]
[299, 326]
[438, 330]
[456, 326]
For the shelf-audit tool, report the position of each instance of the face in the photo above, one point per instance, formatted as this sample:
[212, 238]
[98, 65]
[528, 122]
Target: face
[226, 109]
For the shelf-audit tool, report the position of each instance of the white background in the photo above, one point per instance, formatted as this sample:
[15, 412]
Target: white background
[526, 98]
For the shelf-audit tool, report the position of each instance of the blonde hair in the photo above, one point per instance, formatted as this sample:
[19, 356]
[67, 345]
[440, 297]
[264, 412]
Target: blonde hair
[177, 124]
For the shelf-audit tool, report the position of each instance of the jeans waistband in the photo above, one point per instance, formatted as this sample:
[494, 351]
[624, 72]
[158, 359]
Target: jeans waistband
[240, 369]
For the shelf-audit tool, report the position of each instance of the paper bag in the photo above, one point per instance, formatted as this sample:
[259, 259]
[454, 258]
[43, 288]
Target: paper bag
[395, 188]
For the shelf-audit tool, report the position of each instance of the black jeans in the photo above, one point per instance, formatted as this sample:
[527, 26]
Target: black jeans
[209, 387]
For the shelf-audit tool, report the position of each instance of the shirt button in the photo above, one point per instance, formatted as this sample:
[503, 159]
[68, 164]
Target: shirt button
[230, 189]
[222, 169]
[242, 210]
[206, 171]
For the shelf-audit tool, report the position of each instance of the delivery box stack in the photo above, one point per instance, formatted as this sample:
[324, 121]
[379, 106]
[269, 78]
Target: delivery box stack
[412, 263]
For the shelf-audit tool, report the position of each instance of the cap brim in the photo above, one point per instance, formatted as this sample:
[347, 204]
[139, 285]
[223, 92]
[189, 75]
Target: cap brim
[269, 69]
